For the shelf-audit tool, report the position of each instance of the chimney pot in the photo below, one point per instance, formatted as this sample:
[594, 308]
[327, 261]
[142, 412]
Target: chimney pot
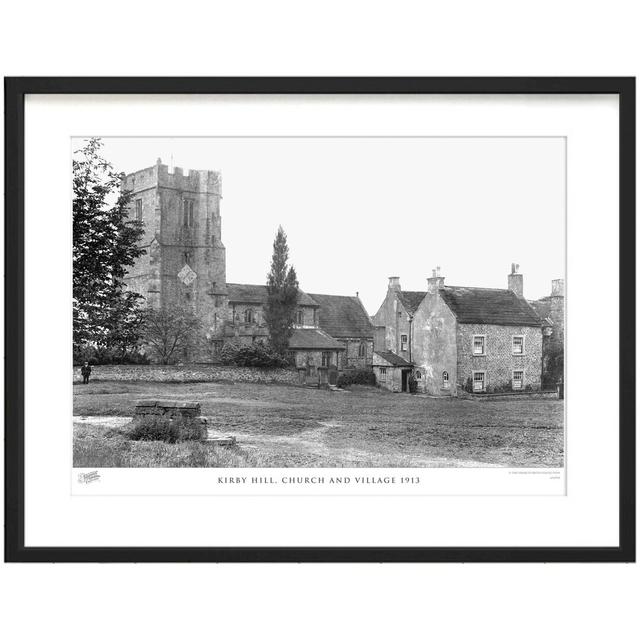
[436, 281]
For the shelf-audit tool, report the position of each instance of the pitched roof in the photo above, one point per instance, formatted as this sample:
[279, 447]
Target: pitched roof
[313, 339]
[343, 316]
[257, 294]
[393, 359]
[411, 299]
[472, 305]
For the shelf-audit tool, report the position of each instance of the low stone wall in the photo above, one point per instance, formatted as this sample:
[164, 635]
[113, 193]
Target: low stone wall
[188, 373]
[516, 395]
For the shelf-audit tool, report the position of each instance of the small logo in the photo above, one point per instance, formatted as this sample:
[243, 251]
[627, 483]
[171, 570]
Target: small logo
[90, 476]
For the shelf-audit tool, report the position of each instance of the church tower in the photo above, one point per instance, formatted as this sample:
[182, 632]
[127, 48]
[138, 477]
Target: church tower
[184, 264]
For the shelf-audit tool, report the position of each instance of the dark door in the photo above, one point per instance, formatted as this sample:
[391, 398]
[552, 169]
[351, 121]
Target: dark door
[405, 380]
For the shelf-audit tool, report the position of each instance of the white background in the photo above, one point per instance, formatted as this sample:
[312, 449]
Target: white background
[465, 38]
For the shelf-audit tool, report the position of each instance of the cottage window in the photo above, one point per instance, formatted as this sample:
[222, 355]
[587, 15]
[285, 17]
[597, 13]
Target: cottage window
[139, 210]
[518, 379]
[299, 317]
[418, 374]
[403, 342]
[248, 315]
[326, 358]
[383, 373]
[518, 345]
[187, 217]
[478, 381]
[362, 349]
[445, 379]
[478, 345]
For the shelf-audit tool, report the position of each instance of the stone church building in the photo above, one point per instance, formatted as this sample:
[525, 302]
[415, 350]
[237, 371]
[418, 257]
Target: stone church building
[184, 265]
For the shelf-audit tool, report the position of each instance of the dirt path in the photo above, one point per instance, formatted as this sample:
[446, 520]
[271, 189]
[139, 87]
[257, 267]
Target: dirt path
[313, 443]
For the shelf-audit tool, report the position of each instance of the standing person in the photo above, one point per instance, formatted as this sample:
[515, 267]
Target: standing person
[86, 372]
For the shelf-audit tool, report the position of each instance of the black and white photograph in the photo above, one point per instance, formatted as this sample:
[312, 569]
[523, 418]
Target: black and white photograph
[319, 302]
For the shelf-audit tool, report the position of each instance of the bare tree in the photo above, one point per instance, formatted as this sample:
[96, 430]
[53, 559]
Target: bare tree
[169, 331]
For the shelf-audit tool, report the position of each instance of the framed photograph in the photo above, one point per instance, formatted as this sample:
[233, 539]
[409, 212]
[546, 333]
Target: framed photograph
[320, 319]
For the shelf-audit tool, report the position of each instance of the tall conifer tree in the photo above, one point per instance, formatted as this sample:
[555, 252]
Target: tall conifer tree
[282, 295]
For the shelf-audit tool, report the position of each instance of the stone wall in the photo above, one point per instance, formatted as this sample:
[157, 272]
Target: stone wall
[393, 316]
[311, 360]
[188, 373]
[351, 357]
[498, 363]
[433, 348]
[524, 395]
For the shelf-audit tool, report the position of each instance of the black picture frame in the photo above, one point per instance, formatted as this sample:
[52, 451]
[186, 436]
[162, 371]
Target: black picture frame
[15, 91]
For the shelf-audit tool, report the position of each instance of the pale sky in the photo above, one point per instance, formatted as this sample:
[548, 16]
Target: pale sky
[358, 210]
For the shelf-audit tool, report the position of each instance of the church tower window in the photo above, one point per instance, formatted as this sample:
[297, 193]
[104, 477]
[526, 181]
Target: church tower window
[187, 217]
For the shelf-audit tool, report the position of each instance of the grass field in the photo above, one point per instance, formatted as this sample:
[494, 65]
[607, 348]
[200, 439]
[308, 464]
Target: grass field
[283, 426]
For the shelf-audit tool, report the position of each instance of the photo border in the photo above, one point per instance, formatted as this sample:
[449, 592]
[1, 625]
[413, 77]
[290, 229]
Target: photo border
[15, 91]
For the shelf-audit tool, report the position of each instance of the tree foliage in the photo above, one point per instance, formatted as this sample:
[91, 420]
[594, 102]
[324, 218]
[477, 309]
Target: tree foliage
[282, 295]
[170, 332]
[252, 355]
[105, 244]
[356, 376]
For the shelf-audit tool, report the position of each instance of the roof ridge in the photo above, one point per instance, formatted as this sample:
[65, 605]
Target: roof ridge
[332, 295]
[246, 284]
[462, 286]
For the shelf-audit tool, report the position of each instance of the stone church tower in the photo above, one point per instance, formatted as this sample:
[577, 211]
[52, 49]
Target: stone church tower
[184, 263]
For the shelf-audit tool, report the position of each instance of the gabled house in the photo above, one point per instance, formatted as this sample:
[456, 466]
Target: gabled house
[464, 338]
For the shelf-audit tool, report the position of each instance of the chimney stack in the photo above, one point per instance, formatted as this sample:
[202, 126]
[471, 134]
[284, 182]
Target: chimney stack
[557, 288]
[394, 283]
[436, 281]
[515, 281]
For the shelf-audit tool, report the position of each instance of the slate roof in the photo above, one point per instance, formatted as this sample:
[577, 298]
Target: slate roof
[257, 294]
[411, 299]
[472, 305]
[343, 316]
[316, 339]
[393, 359]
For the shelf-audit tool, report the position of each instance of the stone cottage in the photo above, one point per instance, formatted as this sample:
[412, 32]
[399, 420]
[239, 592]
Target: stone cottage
[464, 338]
[392, 371]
